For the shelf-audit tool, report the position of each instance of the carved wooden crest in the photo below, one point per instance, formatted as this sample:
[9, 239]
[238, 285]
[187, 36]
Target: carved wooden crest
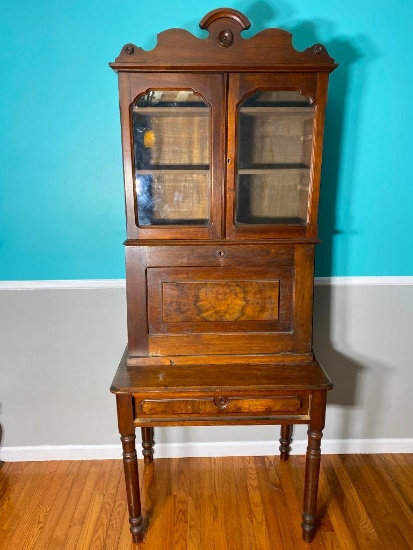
[178, 49]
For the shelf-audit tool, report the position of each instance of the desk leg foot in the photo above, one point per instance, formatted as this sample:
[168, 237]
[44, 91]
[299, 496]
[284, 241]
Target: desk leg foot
[147, 444]
[130, 466]
[312, 465]
[312, 471]
[285, 441]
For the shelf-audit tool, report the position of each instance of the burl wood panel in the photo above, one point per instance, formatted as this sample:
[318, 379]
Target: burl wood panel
[220, 301]
[221, 405]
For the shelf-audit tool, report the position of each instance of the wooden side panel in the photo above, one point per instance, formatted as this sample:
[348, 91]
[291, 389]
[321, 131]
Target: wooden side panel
[303, 298]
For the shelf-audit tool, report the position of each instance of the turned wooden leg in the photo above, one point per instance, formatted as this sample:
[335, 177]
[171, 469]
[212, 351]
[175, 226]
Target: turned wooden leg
[312, 466]
[147, 444]
[285, 441]
[130, 464]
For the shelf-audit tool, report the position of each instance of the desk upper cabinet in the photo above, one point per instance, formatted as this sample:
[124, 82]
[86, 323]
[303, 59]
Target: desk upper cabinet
[222, 143]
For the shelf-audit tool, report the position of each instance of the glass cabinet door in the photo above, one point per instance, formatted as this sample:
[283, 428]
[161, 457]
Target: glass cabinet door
[274, 147]
[172, 158]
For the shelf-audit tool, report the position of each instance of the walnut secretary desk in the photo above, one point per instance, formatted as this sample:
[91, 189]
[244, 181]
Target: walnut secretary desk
[222, 143]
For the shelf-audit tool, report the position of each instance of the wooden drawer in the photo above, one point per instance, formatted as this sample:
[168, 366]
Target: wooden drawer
[197, 408]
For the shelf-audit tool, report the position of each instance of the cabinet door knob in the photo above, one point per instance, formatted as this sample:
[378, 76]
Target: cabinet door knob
[220, 253]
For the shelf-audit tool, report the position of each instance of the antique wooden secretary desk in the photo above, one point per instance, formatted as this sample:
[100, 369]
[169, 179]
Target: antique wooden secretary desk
[222, 141]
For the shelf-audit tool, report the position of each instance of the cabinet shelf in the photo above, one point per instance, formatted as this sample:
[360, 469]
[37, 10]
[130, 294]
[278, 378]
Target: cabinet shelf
[273, 168]
[178, 169]
[294, 111]
[172, 111]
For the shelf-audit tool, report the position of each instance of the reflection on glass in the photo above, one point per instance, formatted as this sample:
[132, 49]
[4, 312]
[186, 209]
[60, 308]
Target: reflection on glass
[171, 134]
[275, 136]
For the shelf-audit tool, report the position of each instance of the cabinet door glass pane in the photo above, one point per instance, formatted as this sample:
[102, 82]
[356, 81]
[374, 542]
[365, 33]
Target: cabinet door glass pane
[275, 137]
[172, 157]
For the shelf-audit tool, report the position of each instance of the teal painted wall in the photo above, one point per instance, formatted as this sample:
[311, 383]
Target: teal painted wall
[61, 207]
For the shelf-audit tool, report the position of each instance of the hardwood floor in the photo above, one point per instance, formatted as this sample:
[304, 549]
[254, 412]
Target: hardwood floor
[251, 503]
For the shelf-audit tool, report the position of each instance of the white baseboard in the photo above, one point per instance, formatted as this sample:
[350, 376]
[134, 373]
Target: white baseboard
[208, 449]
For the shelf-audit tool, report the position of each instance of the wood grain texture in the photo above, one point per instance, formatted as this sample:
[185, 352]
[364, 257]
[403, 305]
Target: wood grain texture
[224, 47]
[233, 503]
[221, 301]
[175, 380]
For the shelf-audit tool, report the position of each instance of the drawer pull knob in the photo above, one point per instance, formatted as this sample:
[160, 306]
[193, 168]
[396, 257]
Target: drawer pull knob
[221, 402]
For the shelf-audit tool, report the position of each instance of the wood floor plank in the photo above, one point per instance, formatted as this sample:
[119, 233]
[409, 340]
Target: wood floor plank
[58, 538]
[292, 481]
[180, 492]
[92, 516]
[354, 487]
[338, 535]
[234, 503]
[259, 524]
[72, 536]
[194, 503]
[107, 485]
[4, 468]
[388, 531]
[273, 502]
[56, 506]
[125, 540]
[208, 502]
[45, 507]
[24, 524]
[227, 526]
[86, 493]
[18, 495]
[13, 482]
[250, 517]
[399, 481]
[344, 504]
[118, 513]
